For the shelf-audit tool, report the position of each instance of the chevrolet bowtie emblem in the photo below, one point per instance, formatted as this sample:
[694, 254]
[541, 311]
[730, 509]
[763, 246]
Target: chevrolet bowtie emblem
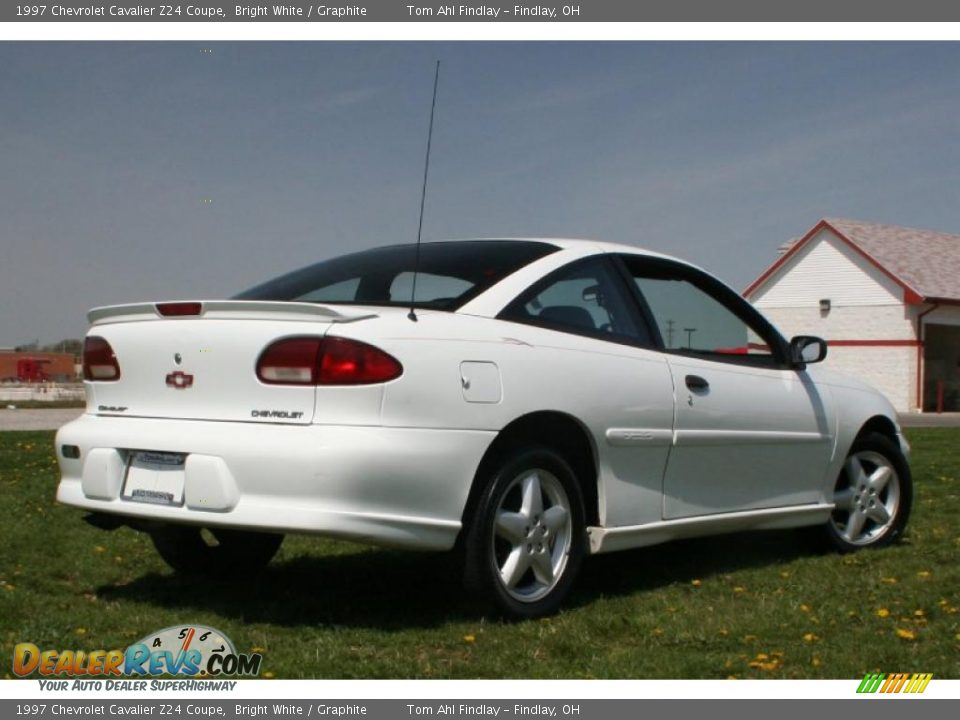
[179, 380]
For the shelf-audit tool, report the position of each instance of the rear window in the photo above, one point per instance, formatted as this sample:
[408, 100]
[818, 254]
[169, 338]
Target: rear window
[449, 275]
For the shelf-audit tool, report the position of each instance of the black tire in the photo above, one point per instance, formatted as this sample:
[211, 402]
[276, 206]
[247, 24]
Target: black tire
[858, 494]
[540, 540]
[186, 549]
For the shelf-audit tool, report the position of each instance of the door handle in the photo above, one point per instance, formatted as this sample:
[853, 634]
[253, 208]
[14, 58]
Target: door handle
[697, 383]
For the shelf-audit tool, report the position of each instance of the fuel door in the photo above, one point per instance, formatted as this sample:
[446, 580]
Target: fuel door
[480, 382]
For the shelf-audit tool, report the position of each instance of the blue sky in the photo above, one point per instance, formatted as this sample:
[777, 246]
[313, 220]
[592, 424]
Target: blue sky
[715, 152]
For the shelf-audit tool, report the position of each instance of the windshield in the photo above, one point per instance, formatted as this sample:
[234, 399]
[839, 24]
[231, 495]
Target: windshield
[449, 274]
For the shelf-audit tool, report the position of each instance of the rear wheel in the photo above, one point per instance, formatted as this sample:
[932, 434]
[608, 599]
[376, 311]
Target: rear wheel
[221, 551]
[526, 541]
[872, 497]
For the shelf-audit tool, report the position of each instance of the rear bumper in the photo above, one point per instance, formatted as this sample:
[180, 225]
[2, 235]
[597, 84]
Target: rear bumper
[387, 486]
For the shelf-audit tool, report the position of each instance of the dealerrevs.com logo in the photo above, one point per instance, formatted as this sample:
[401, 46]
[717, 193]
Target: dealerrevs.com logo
[194, 651]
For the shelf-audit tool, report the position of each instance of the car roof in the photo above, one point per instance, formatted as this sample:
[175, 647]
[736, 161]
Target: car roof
[598, 246]
[490, 302]
[585, 246]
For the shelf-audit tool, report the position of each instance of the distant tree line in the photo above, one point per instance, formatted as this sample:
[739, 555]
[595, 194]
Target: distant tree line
[70, 345]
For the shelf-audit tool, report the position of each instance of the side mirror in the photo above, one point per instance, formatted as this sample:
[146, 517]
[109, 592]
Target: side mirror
[806, 349]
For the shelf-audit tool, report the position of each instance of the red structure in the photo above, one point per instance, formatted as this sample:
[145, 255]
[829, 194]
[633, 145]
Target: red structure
[30, 370]
[37, 367]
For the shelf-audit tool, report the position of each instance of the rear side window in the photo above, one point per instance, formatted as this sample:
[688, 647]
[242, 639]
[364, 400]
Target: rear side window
[586, 297]
[449, 274]
[431, 288]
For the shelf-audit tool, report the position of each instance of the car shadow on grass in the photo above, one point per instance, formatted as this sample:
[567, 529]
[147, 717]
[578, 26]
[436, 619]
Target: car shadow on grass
[649, 568]
[392, 590]
[374, 588]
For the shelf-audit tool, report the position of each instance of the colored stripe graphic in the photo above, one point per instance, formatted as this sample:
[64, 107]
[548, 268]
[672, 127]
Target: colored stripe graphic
[894, 683]
[871, 681]
[919, 682]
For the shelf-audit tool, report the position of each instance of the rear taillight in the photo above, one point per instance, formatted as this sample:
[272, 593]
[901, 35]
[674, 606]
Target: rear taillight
[179, 309]
[293, 361]
[99, 362]
[325, 361]
[348, 362]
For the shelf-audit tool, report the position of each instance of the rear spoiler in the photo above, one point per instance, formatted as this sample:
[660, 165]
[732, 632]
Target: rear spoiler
[231, 310]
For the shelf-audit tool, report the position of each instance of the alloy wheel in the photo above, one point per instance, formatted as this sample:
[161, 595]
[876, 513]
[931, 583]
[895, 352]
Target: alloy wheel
[532, 535]
[867, 499]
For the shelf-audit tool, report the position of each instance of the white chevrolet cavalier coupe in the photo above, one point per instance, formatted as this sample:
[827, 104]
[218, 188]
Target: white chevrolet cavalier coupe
[544, 400]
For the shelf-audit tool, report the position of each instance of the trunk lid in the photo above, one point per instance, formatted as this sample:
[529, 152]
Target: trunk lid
[203, 367]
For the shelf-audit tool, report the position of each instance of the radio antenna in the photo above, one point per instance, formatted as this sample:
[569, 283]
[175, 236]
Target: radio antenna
[412, 315]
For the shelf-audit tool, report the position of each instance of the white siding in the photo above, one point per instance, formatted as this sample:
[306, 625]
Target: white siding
[827, 268]
[891, 370]
[864, 305]
[878, 322]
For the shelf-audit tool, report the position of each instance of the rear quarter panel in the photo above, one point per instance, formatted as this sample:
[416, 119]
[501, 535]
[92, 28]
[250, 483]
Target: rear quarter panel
[599, 384]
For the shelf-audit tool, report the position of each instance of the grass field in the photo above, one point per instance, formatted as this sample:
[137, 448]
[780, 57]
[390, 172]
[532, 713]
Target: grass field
[751, 605]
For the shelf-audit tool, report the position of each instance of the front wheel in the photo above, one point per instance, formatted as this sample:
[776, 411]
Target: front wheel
[526, 540]
[221, 551]
[872, 497]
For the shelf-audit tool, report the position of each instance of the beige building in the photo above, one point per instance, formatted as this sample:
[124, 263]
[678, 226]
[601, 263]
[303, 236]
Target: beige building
[887, 300]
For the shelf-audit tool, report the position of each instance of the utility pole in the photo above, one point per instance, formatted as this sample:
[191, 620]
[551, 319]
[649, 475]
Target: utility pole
[689, 332]
[670, 324]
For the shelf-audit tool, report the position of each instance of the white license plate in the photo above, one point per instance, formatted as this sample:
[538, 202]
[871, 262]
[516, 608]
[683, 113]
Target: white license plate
[155, 477]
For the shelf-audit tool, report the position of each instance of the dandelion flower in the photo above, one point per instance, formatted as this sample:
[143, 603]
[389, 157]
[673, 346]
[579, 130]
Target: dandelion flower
[906, 634]
[767, 662]
[883, 612]
[696, 583]
[469, 638]
[810, 637]
[804, 608]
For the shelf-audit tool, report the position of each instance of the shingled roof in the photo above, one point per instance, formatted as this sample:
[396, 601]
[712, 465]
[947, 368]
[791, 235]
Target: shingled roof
[925, 263]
